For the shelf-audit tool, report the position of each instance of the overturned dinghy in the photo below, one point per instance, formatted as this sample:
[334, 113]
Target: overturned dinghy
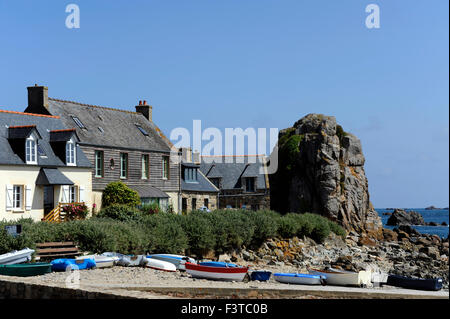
[337, 277]
[72, 264]
[300, 279]
[16, 257]
[26, 270]
[178, 260]
[132, 261]
[415, 283]
[160, 265]
[100, 261]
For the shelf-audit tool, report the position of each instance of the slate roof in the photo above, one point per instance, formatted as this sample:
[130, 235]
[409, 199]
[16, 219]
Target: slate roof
[231, 170]
[203, 185]
[43, 124]
[118, 126]
[147, 191]
[52, 176]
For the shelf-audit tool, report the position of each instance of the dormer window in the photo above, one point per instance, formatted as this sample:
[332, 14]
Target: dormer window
[70, 153]
[31, 150]
[190, 175]
[250, 184]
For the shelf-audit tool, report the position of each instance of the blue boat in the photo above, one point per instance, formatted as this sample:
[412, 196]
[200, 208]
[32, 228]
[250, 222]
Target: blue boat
[62, 264]
[217, 264]
[414, 283]
[299, 279]
[260, 275]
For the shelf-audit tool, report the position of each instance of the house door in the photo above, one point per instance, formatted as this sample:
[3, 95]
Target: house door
[184, 205]
[49, 202]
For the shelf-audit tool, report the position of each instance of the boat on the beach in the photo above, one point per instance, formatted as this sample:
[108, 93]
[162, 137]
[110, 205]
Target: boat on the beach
[379, 278]
[16, 257]
[177, 260]
[415, 283]
[217, 264]
[132, 261]
[337, 277]
[63, 264]
[101, 261]
[300, 279]
[260, 275]
[160, 265]
[26, 270]
[216, 273]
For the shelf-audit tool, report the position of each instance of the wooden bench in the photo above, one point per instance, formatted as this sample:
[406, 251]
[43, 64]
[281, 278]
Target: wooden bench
[54, 250]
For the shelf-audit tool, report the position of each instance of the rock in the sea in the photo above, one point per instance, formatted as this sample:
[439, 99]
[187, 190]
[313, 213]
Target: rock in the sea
[321, 170]
[402, 217]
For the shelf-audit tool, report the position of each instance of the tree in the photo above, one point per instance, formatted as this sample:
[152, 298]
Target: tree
[119, 193]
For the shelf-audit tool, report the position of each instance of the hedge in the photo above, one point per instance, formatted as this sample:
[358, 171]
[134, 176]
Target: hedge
[128, 231]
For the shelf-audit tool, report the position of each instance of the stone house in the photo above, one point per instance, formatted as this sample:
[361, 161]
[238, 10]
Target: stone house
[242, 180]
[121, 146]
[41, 165]
[197, 192]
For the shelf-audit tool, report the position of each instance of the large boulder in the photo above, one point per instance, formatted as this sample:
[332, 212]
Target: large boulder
[402, 217]
[321, 170]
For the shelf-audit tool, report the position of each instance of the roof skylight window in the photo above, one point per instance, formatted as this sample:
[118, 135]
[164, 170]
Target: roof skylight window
[142, 130]
[78, 122]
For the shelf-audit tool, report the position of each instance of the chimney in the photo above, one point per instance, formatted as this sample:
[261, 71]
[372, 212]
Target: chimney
[145, 109]
[196, 157]
[186, 154]
[37, 100]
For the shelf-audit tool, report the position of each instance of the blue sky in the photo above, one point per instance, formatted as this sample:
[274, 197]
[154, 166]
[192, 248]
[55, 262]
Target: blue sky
[261, 64]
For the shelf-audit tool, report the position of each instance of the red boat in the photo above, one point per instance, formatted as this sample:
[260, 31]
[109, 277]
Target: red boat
[216, 273]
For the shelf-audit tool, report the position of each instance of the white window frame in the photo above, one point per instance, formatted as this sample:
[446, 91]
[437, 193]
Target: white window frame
[165, 172]
[31, 150]
[99, 155]
[73, 194]
[145, 166]
[71, 157]
[123, 165]
[17, 198]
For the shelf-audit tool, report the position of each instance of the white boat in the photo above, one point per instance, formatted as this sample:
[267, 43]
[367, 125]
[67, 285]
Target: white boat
[132, 261]
[216, 273]
[178, 260]
[101, 261]
[379, 278]
[160, 265]
[299, 279]
[337, 277]
[16, 257]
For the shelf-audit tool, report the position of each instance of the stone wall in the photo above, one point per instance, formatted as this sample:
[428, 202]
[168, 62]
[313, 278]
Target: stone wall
[200, 197]
[235, 199]
[21, 290]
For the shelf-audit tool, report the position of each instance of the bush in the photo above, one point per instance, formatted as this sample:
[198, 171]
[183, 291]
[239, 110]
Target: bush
[199, 231]
[119, 193]
[120, 212]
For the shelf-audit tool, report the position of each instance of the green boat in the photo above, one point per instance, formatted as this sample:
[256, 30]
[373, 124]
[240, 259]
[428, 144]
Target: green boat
[25, 270]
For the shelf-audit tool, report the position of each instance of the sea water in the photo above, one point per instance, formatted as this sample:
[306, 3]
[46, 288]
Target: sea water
[438, 216]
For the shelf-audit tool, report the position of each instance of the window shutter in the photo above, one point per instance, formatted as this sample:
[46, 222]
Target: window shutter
[9, 197]
[81, 198]
[65, 193]
[28, 197]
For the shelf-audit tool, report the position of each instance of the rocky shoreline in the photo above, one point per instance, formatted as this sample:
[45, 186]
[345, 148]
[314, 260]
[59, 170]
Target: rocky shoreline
[402, 253]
